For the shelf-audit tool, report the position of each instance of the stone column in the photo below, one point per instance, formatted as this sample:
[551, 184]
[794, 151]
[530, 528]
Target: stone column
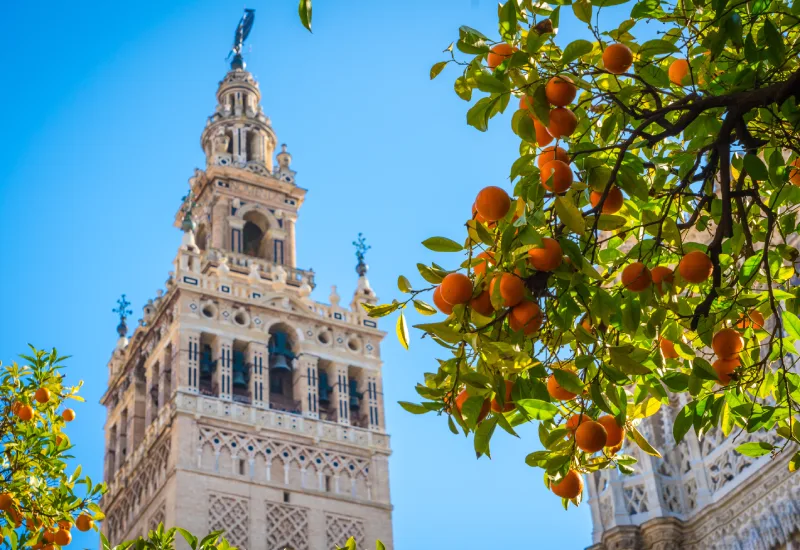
[374, 395]
[663, 533]
[163, 390]
[257, 357]
[290, 252]
[624, 537]
[136, 416]
[306, 384]
[378, 481]
[340, 393]
[150, 410]
[187, 365]
[220, 234]
[237, 231]
[223, 352]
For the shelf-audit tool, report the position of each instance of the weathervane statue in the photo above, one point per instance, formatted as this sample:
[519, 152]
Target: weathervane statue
[242, 32]
[361, 249]
[123, 312]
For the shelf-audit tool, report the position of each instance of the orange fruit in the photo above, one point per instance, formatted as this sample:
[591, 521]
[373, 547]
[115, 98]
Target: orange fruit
[492, 203]
[508, 405]
[456, 288]
[587, 324]
[556, 391]
[68, 415]
[25, 413]
[679, 72]
[527, 317]
[617, 58]
[570, 486]
[695, 267]
[724, 368]
[561, 174]
[667, 349]
[482, 303]
[543, 137]
[15, 407]
[553, 152]
[573, 422]
[480, 268]
[84, 523]
[439, 302]
[614, 433]
[591, 436]
[42, 395]
[49, 536]
[62, 537]
[794, 171]
[661, 274]
[460, 400]
[546, 257]
[525, 103]
[562, 122]
[512, 288]
[754, 319]
[498, 54]
[636, 277]
[613, 202]
[6, 500]
[64, 524]
[560, 91]
[727, 343]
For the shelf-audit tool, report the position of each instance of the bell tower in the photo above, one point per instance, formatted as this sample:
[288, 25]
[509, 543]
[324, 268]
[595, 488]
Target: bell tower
[239, 402]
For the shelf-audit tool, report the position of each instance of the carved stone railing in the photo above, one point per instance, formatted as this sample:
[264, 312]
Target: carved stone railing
[280, 421]
[243, 263]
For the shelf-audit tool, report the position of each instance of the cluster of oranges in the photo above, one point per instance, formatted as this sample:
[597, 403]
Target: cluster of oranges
[57, 534]
[695, 267]
[25, 411]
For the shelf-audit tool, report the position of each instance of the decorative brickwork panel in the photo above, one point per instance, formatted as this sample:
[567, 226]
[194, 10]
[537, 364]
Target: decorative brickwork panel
[340, 528]
[158, 517]
[230, 514]
[287, 527]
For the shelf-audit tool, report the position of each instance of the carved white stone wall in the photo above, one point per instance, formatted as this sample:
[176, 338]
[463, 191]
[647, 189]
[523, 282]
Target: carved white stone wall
[339, 528]
[287, 527]
[232, 515]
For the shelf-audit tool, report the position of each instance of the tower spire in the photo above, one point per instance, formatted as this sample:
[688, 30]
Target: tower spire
[122, 328]
[363, 293]
[242, 32]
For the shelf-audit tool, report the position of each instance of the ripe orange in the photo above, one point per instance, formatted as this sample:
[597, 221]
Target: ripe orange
[68, 415]
[49, 536]
[25, 413]
[482, 303]
[754, 319]
[560, 91]
[794, 171]
[617, 58]
[570, 486]
[456, 288]
[460, 400]
[439, 302]
[512, 288]
[661, 274]
[42, 395]
[6, 500]
[724, 368]
[546, 257]
[636, 277]
[15, 407]
[498, 54]
[48, 547]
[586, 323]
[556, 391]
[480, 268]
[64, 524]
[727, 343]
[667, 349]
[679, 72]
[553, 152]
[561, 174]
[562, 122]
[695, 267]
[543, 137]
[613, 202]
[508, 405]
[591, 436]
[614, 433]
[573, 422]
[63, 537]
[492, 203]
[527, 317]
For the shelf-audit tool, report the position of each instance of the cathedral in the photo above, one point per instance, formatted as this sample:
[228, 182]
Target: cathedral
[239, 403]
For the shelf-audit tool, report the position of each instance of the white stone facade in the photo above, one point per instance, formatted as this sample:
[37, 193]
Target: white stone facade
[239, 403]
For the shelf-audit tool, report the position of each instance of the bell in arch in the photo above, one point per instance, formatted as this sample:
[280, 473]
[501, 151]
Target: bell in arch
[239, 369]
[280, 352]
[279, 363]
[355, 395]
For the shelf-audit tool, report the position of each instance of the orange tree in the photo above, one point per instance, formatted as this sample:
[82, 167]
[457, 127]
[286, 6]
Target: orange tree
[644, 244]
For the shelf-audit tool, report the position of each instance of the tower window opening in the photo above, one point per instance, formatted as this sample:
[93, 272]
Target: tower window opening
[286, 497]
[255, 241]
[281, 372]
[327, 484]
[208, 366]
[241, 466]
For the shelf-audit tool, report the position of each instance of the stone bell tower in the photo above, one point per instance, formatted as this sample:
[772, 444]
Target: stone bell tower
[240, 403]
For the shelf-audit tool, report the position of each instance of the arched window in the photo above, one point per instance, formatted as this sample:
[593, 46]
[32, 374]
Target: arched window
[281, 373]
[201, 237]
[254, 239]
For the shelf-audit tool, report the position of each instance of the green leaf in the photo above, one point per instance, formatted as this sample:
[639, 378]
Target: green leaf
[643, 444]
[537, 409]
[791, 323]
[576, 49]
[583, 10]
[755, 448]
[380, 311]
[657, 47]
[413, 408]
[683, 422]
[794, 463]
[424, 308]
[402, 330]
[570, 215]
[508, 20]
[569, 381]
[483, 435]
[541, 106]
[487, 82]
[755, 167]
[304, 9]
[776, 50]
[442, 244]
[379, 545]
[478, 116]
[437, 68]
[403, 285]
[430, 275]
[620, 357]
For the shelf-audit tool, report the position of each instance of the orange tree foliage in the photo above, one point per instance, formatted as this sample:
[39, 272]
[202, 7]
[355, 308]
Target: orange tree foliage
[657, 244]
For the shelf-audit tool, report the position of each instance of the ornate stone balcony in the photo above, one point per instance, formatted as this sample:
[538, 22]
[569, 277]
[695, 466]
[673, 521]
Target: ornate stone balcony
[246, 265]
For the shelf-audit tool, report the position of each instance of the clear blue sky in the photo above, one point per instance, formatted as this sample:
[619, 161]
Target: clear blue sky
[104, 103]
